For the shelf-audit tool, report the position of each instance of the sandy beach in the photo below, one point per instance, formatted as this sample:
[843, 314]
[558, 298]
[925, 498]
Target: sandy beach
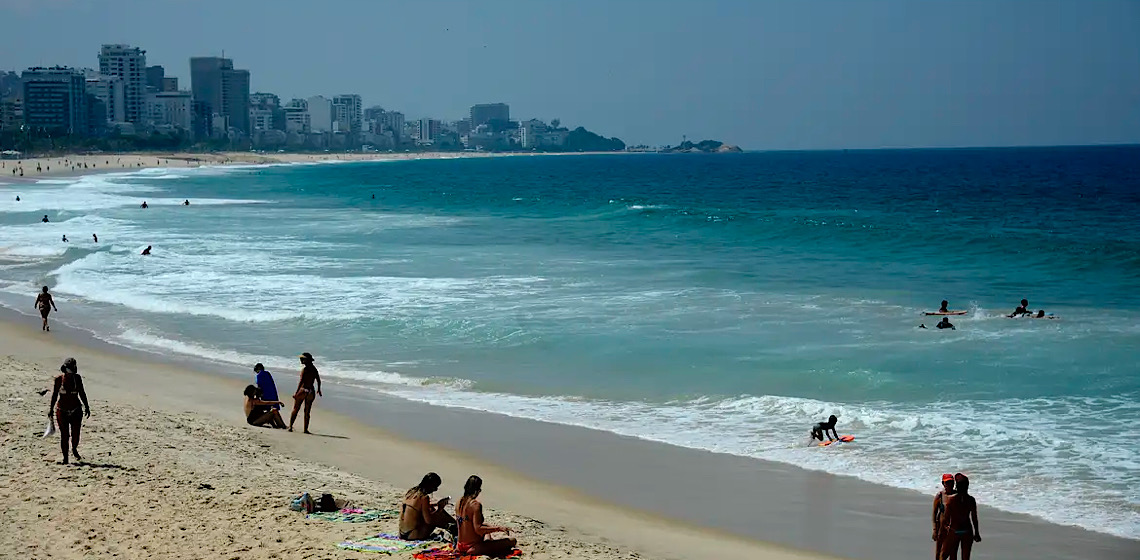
[170, 470]
[35, 167]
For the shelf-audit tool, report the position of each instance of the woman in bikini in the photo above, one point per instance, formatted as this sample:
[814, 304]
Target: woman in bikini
[961, 521]
[45, 304]
[473, 531]
[418, 516]
[306, 392]
[937, 515]
[69, 405]
[259, 412]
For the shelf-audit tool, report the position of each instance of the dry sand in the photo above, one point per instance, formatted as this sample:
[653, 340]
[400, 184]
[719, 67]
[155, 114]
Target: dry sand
[171, 471]
[30, 168]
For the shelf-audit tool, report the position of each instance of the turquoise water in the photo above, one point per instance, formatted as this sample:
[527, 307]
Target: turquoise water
[718, 302]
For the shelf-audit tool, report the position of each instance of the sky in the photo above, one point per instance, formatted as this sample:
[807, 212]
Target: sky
[760, 74]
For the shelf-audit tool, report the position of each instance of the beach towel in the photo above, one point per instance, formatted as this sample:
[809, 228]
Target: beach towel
[449, 553]
[355, 515]
[385, 543]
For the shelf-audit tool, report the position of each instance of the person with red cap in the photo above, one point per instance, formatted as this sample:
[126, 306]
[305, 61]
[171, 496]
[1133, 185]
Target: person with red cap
[960, 520]
[939, 511]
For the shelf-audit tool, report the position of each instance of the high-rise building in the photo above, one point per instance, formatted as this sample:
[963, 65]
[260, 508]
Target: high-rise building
[12, 112]
[111, 92]
[487, 113]
[391, 121]
[128, 63]
[55, 100]
[170, 109]
[169, 83]
[320, 114]
[264, 100]
[349, 112]
[297, 116]
[154, 77]
[216, 86]
[429, 131]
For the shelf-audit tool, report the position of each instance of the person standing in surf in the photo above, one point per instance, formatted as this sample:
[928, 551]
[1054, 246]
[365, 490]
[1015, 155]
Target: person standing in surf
[939, 510]
[45, 304]
[960, 521]
[308, 389]
[69, 406]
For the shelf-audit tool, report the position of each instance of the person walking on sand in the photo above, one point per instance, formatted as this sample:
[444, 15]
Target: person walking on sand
[473, 531]
[960, 521]
[69, 406]
[306, 391]
[939, 510]
[45, 304]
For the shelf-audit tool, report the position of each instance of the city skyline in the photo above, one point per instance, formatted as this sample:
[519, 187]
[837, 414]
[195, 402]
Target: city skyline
[763, 75]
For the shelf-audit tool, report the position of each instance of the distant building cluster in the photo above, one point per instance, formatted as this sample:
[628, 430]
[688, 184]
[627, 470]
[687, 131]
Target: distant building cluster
[124, 97]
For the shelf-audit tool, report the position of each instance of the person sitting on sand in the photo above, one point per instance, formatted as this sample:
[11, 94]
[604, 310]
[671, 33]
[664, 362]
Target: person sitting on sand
[306, 393]
[821, 429]
[960, 521]
[45, 304]
[939, 509]
[265, 384]
[946, 324]
[473, 531]
[1022, 309]
[69, 406]
[419, 517]
[259, 412]
[943, 309]
[146, 251]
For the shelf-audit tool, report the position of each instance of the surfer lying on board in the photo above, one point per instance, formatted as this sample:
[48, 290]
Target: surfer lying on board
[1022, 309]
[945, 324]
[822, 428]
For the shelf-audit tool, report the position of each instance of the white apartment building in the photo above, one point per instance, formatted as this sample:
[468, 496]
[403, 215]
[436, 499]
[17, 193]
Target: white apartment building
[129, 64]
[297, 116]
[320, 114]
[261, 119]
[109, 90]
[170, 109]
[349, 112]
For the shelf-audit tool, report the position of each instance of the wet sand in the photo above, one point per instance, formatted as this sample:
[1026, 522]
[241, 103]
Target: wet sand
[659, 500]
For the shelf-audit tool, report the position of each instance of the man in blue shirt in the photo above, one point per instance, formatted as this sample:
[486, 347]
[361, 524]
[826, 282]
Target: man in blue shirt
[265, 383]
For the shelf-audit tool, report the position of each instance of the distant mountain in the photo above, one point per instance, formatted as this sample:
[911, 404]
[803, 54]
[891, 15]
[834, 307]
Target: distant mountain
[704, 146]
[582, 140]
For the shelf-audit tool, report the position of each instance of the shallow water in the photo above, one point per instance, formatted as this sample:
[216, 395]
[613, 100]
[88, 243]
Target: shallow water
[718, 302]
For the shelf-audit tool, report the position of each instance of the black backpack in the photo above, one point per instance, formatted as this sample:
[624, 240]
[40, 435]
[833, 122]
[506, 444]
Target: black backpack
[327, 503]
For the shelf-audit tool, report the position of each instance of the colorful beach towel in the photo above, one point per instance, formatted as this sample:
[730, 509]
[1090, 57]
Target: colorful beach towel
[354, 515]
[385, 543]
[449, 553]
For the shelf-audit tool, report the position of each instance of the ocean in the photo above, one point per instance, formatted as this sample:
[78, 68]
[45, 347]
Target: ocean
[720, 302]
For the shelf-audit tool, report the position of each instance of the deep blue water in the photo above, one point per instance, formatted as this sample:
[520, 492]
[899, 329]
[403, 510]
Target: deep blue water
[722, 302]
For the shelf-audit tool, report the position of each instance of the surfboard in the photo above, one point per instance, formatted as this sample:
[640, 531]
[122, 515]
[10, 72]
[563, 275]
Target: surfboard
[945, 312]
[842, 439]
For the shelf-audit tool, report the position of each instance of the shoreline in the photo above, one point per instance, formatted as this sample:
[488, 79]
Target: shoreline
[71, 165]
[619, 482]
[118, 376]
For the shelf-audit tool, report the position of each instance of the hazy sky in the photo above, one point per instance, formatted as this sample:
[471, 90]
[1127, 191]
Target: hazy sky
[761, 74]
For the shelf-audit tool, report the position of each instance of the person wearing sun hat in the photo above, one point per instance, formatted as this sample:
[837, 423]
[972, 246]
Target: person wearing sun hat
[940, 500]
[960, 520]
[308, 389]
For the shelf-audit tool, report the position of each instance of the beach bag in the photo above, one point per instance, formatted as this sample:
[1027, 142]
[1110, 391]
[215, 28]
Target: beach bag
[328, 503]
[304, 503]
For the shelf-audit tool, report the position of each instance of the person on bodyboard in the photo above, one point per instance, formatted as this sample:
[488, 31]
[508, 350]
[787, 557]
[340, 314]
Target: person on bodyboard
[821, 429]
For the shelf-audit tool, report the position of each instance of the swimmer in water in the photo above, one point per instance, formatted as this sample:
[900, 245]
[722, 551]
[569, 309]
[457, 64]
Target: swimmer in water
[95, 237]
[45, 220]
[147, 250]
[65, 238]
[821, 429]
[143, 205]
[943, 308]
[1022, 309]
[945, 324]
[186, 202]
